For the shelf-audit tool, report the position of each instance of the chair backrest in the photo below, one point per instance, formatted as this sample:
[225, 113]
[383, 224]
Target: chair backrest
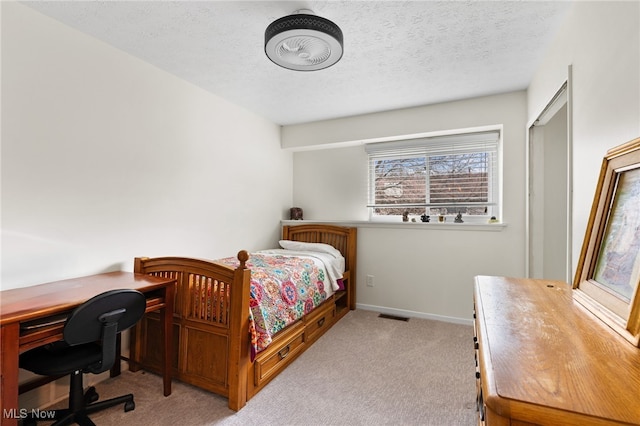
[101, 318]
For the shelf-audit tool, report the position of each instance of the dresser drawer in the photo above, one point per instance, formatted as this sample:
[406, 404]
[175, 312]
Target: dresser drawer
[319, 321]
[280, 353]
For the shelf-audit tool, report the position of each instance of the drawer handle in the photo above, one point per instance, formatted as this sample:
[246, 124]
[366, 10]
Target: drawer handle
[321, 322]
[284, 352]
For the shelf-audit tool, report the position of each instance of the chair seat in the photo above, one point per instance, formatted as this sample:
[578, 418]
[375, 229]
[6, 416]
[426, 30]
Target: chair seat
[60, 359]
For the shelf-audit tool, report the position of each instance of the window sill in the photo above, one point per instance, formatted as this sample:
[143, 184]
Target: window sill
[430, 226]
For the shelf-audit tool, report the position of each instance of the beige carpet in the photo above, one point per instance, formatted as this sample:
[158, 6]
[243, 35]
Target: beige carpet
[364, 371]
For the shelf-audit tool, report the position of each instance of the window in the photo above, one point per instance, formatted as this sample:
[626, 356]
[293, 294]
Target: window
[443, 175]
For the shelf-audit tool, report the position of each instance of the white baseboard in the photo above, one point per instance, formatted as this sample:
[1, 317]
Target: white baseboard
[413, 314]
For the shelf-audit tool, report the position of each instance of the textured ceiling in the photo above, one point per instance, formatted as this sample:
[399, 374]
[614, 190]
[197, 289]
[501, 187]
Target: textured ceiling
[397, 54]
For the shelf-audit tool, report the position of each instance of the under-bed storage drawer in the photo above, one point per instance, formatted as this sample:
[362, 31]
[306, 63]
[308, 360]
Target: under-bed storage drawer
[279, 353]
[319, 321]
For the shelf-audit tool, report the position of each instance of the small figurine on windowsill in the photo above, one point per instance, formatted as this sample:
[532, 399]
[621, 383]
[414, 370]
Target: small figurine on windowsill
[405, 216]
[425, 218]
[493, 220]
[458, 218]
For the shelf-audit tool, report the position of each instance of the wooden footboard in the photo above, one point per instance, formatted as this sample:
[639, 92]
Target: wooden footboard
[211, 320]
[211, 346]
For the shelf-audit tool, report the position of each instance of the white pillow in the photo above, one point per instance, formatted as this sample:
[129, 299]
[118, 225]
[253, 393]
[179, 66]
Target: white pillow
[302, 246]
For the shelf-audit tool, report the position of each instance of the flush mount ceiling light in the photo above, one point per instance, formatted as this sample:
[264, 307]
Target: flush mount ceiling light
[303, 42]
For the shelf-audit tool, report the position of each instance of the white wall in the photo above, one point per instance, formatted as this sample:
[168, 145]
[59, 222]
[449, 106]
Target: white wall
[601, 41]
[419, 271]
[105, 158]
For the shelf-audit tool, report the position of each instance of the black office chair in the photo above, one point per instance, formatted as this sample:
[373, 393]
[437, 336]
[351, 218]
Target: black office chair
[89, 346]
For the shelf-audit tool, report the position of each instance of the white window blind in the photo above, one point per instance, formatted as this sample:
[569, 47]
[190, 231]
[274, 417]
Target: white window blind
[439, 175]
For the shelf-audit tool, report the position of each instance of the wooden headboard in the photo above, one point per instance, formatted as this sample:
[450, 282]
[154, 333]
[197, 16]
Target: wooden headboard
[342, 238]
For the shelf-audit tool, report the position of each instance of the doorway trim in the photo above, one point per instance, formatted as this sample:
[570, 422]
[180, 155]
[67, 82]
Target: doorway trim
[563, 96]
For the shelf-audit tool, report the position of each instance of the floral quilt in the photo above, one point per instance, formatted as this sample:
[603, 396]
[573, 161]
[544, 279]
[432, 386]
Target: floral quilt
[283, 289]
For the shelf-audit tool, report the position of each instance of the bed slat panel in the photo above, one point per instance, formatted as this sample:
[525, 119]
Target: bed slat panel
[208, 300]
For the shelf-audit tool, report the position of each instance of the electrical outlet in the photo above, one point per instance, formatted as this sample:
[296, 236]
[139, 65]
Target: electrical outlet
[370, 281]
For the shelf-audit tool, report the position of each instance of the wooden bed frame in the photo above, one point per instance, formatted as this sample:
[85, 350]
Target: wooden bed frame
[211, 347]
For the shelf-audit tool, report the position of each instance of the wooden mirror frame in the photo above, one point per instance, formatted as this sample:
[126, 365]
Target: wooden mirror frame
[615, 193]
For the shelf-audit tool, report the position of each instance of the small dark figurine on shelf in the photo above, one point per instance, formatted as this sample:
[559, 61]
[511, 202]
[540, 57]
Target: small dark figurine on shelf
[405, 216]
[295, 213]
[458, 218]
[425, 218]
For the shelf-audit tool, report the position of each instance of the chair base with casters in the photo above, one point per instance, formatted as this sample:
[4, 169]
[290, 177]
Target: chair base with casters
[81, 404]
[89, 346]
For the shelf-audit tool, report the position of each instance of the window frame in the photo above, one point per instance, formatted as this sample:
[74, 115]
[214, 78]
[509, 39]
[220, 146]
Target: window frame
[427, 146]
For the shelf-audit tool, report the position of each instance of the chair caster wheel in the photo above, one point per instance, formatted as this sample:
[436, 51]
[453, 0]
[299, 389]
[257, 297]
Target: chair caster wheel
[91, 395]
[129, 406]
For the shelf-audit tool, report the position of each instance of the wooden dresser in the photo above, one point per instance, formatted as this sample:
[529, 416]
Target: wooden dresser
[543, 359]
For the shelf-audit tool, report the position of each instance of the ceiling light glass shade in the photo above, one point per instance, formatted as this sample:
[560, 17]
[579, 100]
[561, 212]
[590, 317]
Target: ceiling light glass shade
[303, 42]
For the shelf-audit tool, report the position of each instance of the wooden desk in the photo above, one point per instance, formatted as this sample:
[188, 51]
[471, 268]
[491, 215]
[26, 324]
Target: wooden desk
[22, 305]
[543, 359]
